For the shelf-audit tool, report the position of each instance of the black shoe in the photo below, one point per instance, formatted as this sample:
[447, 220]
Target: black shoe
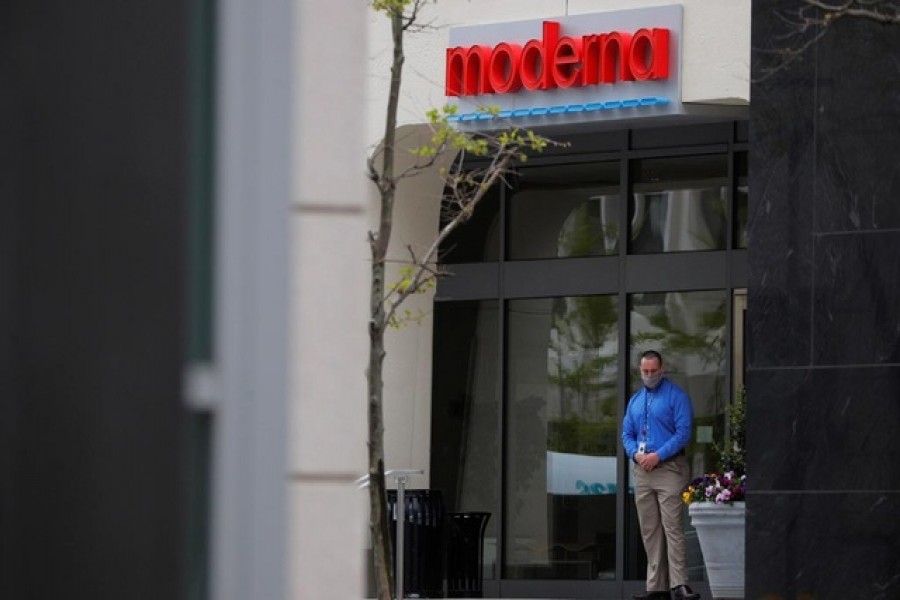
[653, 596]
[684, 592]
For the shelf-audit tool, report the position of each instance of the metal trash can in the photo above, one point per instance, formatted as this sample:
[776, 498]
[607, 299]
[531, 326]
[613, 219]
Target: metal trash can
[423, 545]
[465, 554]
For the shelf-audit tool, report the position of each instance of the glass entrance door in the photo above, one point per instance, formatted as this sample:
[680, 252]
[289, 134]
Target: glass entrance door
[689, 330]
[621, 244]
[560, 500]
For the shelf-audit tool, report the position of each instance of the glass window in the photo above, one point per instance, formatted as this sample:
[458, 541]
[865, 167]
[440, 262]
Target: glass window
[561, 438]
[465, 444]
[689, 330]
[478, 239]
[679, 204]
[565, 211]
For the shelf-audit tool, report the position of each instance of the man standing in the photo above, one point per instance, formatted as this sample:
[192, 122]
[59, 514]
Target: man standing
[657, 427]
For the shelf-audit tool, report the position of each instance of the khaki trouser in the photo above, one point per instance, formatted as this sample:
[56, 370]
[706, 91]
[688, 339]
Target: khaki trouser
[660, 512]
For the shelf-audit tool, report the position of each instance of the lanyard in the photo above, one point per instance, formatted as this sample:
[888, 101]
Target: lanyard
[648, 402]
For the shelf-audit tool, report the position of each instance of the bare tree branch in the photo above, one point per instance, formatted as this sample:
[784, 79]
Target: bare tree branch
[812, 19]
[411, 20]
[883, 12]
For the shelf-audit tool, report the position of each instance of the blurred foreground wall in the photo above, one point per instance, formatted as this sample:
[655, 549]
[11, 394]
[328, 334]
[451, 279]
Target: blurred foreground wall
[93, 188]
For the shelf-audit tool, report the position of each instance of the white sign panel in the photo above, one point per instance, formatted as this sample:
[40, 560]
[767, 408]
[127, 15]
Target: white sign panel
[578, 474]
[579, 68]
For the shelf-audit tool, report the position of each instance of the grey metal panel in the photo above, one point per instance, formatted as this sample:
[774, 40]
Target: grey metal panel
[739, 270]
[549, 588]
[538, 278]
[708, 133]
[595, 589]
[470, 281]
[676, 271]
[680, 151]
[254, 169]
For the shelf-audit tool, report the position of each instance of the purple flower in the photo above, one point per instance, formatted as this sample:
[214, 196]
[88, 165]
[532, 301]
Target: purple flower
[721, 488]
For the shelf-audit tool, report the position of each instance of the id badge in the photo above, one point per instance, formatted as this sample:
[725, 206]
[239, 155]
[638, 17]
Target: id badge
[642, 447]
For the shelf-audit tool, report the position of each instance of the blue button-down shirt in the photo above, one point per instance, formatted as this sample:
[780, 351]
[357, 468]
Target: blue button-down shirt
[670, 416]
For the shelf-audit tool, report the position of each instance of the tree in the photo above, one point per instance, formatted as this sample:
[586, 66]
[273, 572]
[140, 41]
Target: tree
[733, 454]
[807, 21]
[464, 190]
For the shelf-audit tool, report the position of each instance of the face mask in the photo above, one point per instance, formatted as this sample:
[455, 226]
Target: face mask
[652, 381]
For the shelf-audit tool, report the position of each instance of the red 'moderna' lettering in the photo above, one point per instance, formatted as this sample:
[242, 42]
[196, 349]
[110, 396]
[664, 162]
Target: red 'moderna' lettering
[558, 62]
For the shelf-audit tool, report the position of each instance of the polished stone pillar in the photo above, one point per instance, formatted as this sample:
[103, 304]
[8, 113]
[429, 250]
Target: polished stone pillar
[824, 309]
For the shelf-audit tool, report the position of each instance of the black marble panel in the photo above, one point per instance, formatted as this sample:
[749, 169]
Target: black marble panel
[781, 202]
[857, 298]
[823, 309]
[857, 112]
[840, 545]
[824, 429]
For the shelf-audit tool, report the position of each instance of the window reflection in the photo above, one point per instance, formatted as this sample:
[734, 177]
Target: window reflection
[679, 204]
[689, 329]
[565, 211]
[465, 446]
[562, 442]
[479, 239]
[591, 229]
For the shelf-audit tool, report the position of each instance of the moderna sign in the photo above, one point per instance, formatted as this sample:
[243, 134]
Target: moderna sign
[558, 62]
[578, 68]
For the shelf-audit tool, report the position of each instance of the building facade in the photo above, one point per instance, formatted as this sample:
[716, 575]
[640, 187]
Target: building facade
[183, 274]
[557, 285]
[632, 237]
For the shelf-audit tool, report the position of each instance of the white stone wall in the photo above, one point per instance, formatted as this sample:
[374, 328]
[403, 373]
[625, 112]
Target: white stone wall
[407, 369]
[328, 513]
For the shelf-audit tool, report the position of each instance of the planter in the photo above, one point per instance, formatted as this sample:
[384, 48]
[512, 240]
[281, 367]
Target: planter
[720, 529]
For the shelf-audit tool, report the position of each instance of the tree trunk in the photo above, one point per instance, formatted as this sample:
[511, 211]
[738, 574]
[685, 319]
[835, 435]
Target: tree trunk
[379, 524]
[379, 242]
